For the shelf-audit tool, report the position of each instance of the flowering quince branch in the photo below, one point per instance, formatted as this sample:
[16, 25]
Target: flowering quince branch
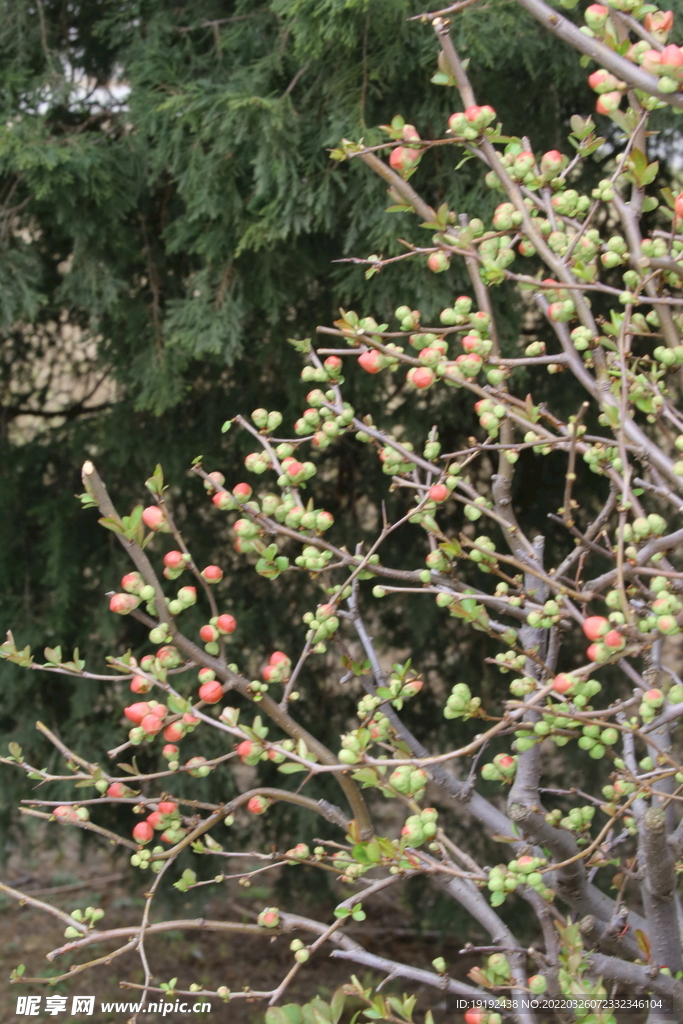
[564, 845]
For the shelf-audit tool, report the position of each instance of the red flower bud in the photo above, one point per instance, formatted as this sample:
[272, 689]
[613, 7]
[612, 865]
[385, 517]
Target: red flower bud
[143, 832]
[245, 749]
[211, 692]
[562, 683]
[154, 819]
[332, 364]
[678, 205]
[595, 627]
[132, 582]
[208, 633]
[403, 159]
[118, 790]
[277, 658]
[438, 492]
[613, 639]
[174, 732]
[151, 724]
[258, 805]
[136, 712]
[594, 652]
[169, 750]
[167, 807]
[153, 517]
[242, 492]
[174, 560]
[226, 623]
[139, 684]
[294, 469]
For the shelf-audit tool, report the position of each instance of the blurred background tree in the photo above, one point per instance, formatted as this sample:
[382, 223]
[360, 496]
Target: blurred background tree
[169, 216]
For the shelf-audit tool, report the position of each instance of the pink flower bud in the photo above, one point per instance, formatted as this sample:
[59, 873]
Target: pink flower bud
[596, 16]
[671, 56]
[655, 698]
[403, 159]
[258, 805]
[371, 361]
[167, 807]
[132, 582]
[552, 163]
[678, 205]
[421, 377]
[169, 751]
[123, 604]
[242, 492]
[438, 262]
[212, 574]
[118, 790]
[294, 469]
[608, 103]
[153, 517]
[333, 364]
[174, 560]
[209, 634]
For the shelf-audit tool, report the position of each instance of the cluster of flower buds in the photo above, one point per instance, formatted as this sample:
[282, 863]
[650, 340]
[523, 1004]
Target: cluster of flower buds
[269, 918]
[420, 827]
[409, 781]
[210, 689]
[323, 624]
[278, 669]
[404, 158]
[594, 739]
[148, 720]
[393, 461]
[461, 703]
[89, 916]
[175, 563]
[579, 819]
[579, 690]
[470, 123]
[218, 626]
[501, 769]
[166, 819]
[298, 853]
[491, 414]
[265, 420]
[504, 878]
[185, 598]
[313, 559]
[72, 813]
[175, 731]
[651, 704]
[324, 422]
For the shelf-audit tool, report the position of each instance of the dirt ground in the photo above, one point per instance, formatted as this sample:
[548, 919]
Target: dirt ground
[63, 879]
